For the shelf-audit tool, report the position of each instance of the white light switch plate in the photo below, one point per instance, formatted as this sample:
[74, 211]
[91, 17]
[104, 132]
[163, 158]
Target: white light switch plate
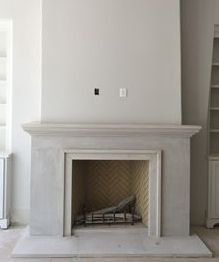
[123, 92]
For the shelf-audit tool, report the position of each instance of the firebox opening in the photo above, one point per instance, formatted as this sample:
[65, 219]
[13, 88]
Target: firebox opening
[111, 184]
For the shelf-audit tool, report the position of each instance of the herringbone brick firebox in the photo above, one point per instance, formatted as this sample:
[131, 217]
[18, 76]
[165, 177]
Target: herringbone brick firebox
[99, 184]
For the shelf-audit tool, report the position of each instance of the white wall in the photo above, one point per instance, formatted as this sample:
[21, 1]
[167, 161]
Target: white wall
[111, 44]
[26, 17]
[198, 19]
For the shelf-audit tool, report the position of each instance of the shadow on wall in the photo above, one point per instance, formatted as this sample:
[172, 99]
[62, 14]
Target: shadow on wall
[197, 19]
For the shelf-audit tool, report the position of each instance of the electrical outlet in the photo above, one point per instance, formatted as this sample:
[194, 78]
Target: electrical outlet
[123, 92]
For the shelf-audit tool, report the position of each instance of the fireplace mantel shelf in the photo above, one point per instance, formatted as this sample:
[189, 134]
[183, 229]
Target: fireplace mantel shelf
[59, 129]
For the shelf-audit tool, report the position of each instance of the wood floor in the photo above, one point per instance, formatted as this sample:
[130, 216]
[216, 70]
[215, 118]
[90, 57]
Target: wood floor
[9, 237]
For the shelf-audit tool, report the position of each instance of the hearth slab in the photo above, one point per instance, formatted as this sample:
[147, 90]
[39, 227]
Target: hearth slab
[110, 242]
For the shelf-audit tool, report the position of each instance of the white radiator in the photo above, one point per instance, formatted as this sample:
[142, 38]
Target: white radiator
[5, 190]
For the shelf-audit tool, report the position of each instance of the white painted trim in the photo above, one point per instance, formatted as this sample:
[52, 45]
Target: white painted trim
[9, 85]
[211, 222]
[67, 212]
[154, 158]
[5, 194]
[6, 25]
[216, 31]
[101, 130]
[5, 154]
[4, 223]
[159, 190]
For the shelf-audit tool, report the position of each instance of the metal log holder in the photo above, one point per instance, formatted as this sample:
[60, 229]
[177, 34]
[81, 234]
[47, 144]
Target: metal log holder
[124, 213]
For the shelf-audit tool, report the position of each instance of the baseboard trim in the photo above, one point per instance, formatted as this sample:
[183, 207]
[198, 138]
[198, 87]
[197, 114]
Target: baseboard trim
[4, 223]
[20, 216]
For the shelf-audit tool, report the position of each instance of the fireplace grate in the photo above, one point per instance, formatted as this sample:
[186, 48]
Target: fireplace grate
[124, 212]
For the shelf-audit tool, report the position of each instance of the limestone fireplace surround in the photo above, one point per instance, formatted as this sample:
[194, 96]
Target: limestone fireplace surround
[55, 146]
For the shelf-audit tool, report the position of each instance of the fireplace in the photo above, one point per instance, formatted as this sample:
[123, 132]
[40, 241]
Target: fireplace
[109, 192]
[103, 178]
[68, 158]
[55, 147]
